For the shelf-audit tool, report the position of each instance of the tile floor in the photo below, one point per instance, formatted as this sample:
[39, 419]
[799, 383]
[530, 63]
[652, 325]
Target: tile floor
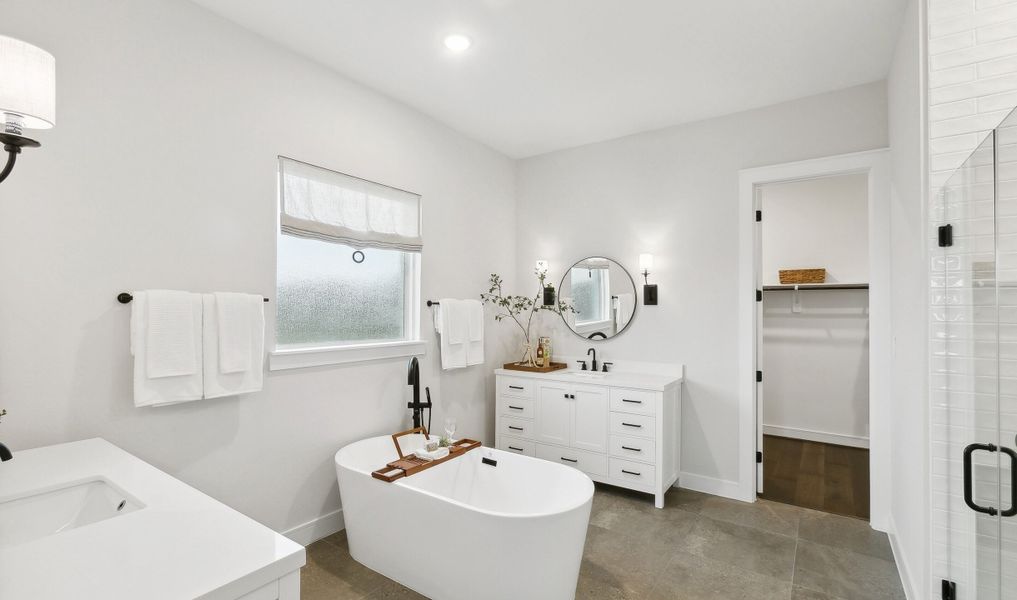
[698, 548]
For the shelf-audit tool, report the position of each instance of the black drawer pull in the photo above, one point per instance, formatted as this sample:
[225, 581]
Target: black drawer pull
[514, 448]
[515, 428]
[515, 387]
[632, 401]
[630, 473]
[632, 449]
[571, 460]
[515, 407]
[631, 425]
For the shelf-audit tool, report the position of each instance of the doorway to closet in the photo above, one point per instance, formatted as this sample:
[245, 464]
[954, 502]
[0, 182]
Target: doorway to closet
[813, 343]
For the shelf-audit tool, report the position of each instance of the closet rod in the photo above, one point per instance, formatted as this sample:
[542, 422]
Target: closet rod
[816, 286]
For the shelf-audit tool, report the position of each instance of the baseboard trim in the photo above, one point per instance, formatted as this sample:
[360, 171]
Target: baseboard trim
[902, 563]
[315, 529]
[708, 485]
[840, 439]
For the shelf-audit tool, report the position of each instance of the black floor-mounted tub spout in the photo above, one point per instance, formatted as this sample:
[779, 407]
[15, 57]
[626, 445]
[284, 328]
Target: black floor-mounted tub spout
[413, 378]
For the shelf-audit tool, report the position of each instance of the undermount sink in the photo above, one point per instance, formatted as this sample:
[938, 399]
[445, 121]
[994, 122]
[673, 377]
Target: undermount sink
[589, 374]
[46, 513]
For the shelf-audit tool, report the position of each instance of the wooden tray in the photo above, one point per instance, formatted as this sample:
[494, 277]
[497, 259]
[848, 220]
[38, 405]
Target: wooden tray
[555, 366]
[411, 465]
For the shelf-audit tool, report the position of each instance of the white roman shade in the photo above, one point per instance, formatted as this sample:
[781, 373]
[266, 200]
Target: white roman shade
[330, 206]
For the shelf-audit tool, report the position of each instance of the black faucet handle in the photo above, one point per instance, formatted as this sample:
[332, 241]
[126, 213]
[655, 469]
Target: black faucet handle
[582, 362]
[604, 366]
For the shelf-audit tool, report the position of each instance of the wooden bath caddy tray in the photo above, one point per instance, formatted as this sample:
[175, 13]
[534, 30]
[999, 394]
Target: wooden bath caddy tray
[411, 465]
[552, 367]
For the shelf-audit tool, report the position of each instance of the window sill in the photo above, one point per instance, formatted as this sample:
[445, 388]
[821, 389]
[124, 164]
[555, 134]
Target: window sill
[299, 358]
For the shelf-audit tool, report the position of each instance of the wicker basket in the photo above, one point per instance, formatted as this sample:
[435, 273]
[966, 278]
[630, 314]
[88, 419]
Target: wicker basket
[792, 276]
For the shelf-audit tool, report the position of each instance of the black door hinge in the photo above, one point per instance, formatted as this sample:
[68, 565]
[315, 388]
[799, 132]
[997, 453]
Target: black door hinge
[759, 216]
[759, 295]
[945, 236]
[759, 457]
[759, 377]
[949, 590]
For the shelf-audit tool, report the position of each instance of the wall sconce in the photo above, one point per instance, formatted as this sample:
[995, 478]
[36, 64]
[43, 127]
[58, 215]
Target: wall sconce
[548, 292]
[27, 96]
[649, 290]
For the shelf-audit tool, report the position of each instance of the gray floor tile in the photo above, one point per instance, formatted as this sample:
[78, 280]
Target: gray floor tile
[698, 548]
[844, 532]
[742, 547]
[690, 577]
[846, 574]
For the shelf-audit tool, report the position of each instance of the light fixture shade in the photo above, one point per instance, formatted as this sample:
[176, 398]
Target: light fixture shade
[645, 262]
[27, 83]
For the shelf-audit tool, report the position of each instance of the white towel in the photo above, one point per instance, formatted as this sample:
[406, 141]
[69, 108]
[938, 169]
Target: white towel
[450, 321]
[160, 335]
[251, 328]
[234, 313]
[475, 325]
[626, 306]
[170, 334]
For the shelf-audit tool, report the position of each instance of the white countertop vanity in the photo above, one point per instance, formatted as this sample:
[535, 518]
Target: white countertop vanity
[88, 520]
[619, 428]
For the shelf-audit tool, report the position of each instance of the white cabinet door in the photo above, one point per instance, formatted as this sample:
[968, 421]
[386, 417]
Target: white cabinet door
[554, 414]
[589, 430]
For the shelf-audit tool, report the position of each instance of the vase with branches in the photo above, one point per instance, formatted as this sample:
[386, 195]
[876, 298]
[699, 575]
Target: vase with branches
[521, 309]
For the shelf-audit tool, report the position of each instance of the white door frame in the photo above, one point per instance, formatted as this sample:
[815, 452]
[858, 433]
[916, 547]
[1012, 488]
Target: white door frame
[877, 165]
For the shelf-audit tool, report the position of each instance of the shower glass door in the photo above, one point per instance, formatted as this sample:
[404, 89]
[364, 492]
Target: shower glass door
[974, 373]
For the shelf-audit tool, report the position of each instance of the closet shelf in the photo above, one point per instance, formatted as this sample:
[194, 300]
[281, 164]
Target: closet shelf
[816, 286]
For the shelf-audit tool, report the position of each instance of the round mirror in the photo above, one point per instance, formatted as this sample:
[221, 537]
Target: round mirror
[603, 295]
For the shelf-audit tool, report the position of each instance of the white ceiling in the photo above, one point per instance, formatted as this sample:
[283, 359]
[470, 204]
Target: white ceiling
[549, 74]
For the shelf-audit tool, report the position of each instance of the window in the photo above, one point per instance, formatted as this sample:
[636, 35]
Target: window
[591, 295]
[347, 270]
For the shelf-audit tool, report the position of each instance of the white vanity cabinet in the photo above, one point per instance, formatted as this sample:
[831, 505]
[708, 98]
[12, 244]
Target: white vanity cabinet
[619, 428]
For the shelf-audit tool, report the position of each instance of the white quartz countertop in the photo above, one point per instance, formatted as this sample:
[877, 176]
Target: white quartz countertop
[182, 544]
[642, 381]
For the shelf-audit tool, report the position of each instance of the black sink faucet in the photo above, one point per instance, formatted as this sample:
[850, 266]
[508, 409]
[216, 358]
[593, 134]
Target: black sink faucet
[594, 363]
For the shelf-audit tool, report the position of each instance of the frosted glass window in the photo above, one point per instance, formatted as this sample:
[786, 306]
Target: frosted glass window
[327, 299]
[588, 294]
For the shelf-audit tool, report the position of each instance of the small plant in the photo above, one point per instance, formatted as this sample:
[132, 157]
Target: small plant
[521, 309]
[3, 413]
[444, 442]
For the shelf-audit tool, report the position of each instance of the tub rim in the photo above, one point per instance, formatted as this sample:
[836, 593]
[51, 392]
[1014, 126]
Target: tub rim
[403, 483]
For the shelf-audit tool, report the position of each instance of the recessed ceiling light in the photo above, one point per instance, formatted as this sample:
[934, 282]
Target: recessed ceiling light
[457, 42]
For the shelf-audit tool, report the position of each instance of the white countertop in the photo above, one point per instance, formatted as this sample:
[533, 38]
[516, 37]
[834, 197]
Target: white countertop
[182, 544]
[642, 381]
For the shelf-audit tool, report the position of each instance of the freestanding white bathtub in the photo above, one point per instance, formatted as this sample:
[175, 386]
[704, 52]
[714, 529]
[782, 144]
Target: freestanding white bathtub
[463, 529]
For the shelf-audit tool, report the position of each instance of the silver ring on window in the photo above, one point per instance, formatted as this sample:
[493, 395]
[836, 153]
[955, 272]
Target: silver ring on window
[358, 260]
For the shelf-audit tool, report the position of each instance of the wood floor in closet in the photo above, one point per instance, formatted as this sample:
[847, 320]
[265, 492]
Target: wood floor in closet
[826, 477]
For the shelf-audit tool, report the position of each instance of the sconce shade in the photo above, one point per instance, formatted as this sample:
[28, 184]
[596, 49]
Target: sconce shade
[645, 262]
[27, 84]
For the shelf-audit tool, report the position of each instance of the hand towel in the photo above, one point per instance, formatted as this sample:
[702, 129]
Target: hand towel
[170, 334]
[217, 382]
[451, 324]
[475, 327]
[233, 313]
[165, 389]
[626, 306]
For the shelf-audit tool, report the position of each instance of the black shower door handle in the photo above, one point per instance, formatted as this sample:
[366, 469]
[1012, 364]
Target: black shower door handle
[968, 491]
[1013, 483]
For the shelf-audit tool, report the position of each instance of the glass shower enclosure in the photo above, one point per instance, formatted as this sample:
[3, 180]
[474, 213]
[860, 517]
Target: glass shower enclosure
[973, 329]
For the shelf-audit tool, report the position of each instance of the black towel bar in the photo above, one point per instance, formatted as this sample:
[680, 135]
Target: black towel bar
[125, 298]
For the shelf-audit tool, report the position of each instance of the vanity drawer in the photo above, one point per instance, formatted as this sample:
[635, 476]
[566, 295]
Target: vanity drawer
[633, 401]
[633, 448]
[511, 426]
[516, 445]
[515, 386]
[636, 425]
[587, 462]
[632, 472]
[515, 407]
